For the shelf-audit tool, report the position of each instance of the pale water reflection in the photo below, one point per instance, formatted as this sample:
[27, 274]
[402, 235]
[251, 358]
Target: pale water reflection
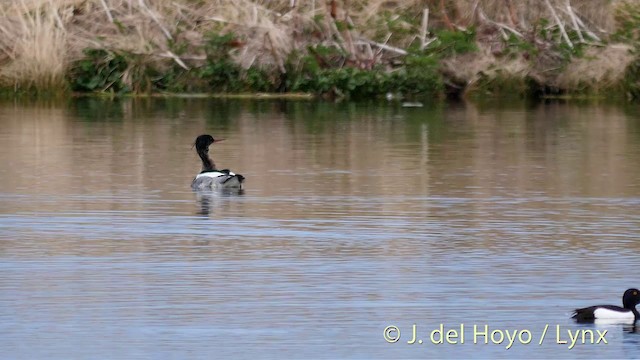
[354, 218]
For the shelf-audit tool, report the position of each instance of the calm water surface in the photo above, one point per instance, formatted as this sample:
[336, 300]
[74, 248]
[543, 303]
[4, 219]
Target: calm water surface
[355, 218]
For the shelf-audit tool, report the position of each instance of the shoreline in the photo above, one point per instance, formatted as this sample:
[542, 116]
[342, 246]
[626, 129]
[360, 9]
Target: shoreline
[335, 51]
[240, 96]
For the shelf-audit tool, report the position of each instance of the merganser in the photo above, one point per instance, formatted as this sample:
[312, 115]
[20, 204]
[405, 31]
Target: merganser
[210, 177]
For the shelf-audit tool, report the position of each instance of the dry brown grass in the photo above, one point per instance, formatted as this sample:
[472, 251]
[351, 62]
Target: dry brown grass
[39, 38]
[524, 14]
[35, 44]
[599, 69]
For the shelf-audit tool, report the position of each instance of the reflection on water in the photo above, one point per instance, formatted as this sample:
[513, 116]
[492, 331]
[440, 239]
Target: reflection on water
[213, 198]
[354, 217]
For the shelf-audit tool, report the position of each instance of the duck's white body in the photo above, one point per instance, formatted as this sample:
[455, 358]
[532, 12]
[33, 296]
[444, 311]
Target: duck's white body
[605, 315]
[223, 179]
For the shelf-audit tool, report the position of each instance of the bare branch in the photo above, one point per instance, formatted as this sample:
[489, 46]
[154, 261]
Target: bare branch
[484, 17]
[177, 60]
[383, 46]
[107, 10]
[560, 25]
[574, 22]
[155, 19]
[424, 29]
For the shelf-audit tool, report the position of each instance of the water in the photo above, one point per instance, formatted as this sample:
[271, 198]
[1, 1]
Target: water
[355, 218]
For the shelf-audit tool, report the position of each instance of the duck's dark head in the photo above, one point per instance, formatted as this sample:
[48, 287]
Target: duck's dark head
[204, 141]
[631, 298]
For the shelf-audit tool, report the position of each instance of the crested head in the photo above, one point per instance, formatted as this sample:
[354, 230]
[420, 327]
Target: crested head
[631, 298]
[203, 142]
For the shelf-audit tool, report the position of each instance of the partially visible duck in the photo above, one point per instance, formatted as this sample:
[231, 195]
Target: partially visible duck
[612, 313]
[210, 177]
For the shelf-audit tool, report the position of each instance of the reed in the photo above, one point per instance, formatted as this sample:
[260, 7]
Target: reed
[35, 47]
[41, 39]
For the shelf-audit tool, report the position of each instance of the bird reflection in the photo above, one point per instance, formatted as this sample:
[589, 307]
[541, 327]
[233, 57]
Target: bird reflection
[215, 199]
[631, 329]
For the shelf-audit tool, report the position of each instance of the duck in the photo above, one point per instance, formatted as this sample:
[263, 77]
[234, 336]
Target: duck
[612, 313]
[210, 177]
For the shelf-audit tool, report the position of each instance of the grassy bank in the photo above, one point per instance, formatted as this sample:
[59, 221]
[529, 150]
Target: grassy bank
[331, 48]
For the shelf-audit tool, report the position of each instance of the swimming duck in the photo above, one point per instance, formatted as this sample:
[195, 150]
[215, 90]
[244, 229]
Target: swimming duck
[625, 314]
[210, 177]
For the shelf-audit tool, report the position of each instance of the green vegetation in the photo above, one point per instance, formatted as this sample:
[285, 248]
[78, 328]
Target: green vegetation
[335, 49]
[504, 86]
[450, 43]
[99, 71]
[120, 73]
[632, 80]
[628, 18]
